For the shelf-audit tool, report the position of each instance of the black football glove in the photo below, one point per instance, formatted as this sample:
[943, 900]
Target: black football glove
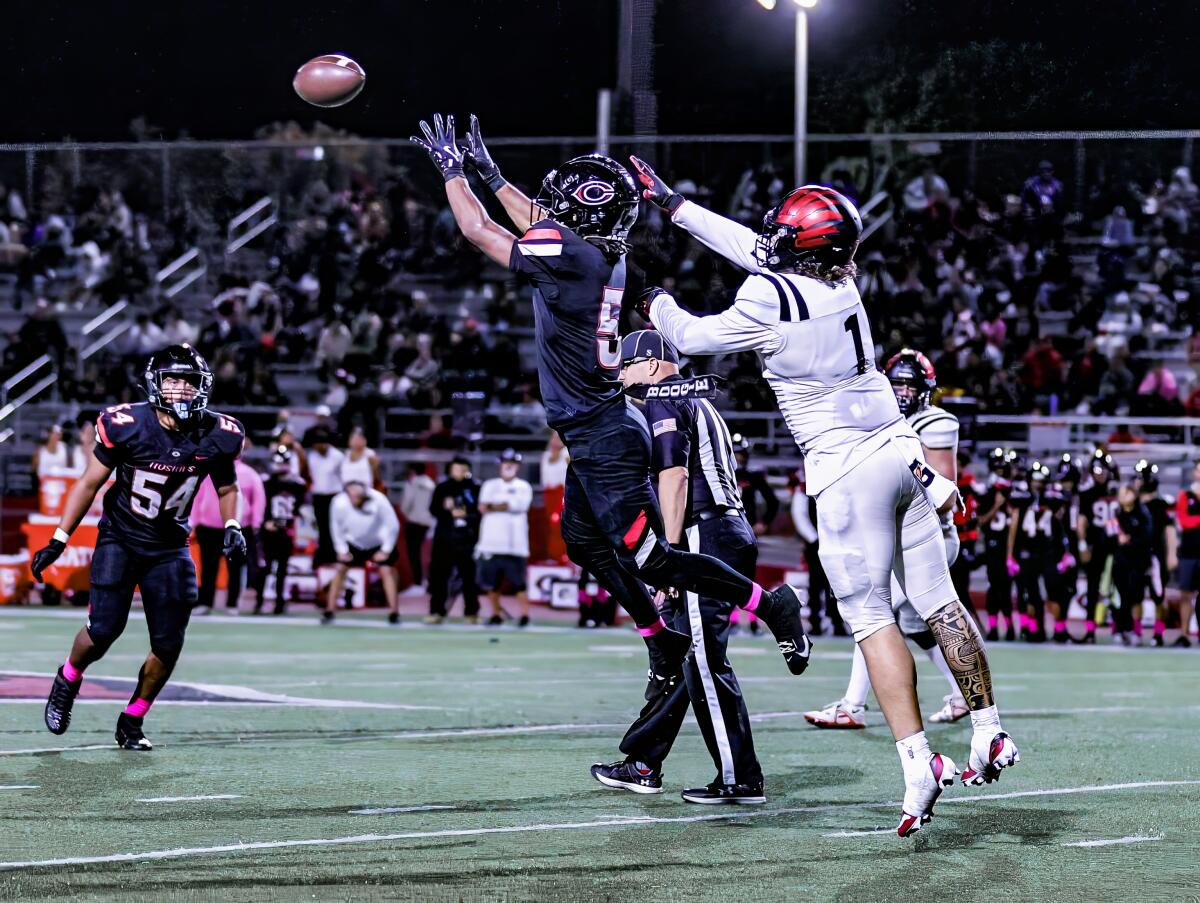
[478, 154]
[235, 544]
[45, 557]
[439, 144]
[654, 189]
[647, 299]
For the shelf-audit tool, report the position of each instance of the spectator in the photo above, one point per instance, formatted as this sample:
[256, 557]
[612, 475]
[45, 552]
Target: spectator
[1042, 202]
[415, 498]
[1116, 385]
[333, 344]
[360, 464]
[284, 493]
[86, 439]
[210, 536]
[502, 552]
[227, 329]
[53, 457]
[284, 436]
[455, 507]
[42, 334]
[1187, 573]
[144, 337]
[1118, 229]
[555, 460]
[1123, 435]
[1158, 394]
[324, 467]
[364, 528]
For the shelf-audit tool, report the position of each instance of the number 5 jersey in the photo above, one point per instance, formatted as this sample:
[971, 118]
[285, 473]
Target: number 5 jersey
[158, 471]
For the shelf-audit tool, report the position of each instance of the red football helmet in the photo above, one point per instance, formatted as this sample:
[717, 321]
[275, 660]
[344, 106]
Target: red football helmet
[913, 379]
[812, 227]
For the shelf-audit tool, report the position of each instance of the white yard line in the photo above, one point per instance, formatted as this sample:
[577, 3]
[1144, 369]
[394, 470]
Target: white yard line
[55, 749]
[389, 810]
[1133, 838]
[861, 833]
[608, 822]
[19, 786]
[190, 799]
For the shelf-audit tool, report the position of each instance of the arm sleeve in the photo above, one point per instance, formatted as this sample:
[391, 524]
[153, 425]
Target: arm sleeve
[671, 432]
[731, 240]
[804, 525]
[747, 326]
[337, 530]
[390, 529]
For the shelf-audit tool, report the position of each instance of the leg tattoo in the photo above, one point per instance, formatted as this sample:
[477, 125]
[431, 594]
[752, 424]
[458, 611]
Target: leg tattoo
[956, 634]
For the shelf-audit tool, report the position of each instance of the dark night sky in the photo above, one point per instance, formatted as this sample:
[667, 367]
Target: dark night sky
[219, 69]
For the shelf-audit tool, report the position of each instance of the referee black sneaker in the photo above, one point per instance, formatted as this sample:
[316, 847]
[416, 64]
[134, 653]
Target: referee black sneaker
[635, 776]
[779, 609]
[719, 794]
[129, 734]
[60, 703]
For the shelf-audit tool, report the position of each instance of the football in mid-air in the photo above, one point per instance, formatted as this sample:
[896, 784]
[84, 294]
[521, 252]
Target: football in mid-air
[330, 80]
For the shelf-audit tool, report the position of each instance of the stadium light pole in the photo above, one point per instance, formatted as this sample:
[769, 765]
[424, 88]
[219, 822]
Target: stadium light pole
[800, 123]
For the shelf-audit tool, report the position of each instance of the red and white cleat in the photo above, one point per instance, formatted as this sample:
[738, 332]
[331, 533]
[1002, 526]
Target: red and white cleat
[989, 757]
[922, 791]
[952, 710]
[840, 714]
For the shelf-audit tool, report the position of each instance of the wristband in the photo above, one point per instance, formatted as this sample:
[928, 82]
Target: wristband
[61, 535]
[232, 522]
[495, 182]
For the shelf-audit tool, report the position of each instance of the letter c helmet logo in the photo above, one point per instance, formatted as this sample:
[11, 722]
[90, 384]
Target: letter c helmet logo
[594, 193]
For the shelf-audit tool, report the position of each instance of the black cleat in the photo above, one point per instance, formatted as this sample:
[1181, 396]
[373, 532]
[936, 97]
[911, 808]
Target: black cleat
[780, 611]
[993, 636]
[1010, 635]
[717, 794]
[629, 776]
[1061, 637]
[393, 617]
[327, 617]
[495, 621]
[129, 734]
[1182, 642]
[60, 703]
[1158, 641]
[523, 621]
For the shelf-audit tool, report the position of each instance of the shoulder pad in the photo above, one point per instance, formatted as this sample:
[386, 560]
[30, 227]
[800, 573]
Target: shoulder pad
[119, 424]
[224, 432]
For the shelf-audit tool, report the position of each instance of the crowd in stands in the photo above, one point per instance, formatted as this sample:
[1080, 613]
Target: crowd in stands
[1024, 302]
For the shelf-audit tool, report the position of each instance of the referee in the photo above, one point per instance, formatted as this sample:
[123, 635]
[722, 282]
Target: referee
[694, 469]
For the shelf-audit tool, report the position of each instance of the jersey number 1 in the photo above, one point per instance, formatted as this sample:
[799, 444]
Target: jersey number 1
[851, 326]
[608, 346]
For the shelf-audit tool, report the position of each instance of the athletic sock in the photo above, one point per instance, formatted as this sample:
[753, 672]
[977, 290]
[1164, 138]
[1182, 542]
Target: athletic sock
[71, 673]
[756, 594]
[993, 620]
[1090, 625]
[938, 658]
[1160, 627]
[1137, 627]
[648, 631]
[1060, 626]
[138, 708]
[914, 753]
[860, 680]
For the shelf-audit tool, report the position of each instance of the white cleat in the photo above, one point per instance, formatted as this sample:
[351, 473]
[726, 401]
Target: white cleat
[953, 709]
[920, 794]
[988, 757]
[838, 714]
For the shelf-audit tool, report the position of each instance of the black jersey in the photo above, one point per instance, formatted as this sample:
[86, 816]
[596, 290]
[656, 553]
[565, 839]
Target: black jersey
[158, 471]
[285, 494]
[995, 531]
[1135, 542]
[576, 308]
[1162, 516]
[1040, 527]
[1098, 503]
[688, 432]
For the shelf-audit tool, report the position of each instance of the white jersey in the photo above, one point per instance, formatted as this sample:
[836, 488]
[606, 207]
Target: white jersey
[817, 349]
[938, 428]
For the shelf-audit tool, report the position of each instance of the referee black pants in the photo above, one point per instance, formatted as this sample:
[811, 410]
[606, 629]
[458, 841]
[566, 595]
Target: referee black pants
[710, 686]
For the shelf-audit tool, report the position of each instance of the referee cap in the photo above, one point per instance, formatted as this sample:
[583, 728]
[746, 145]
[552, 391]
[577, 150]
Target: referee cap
[644, 345]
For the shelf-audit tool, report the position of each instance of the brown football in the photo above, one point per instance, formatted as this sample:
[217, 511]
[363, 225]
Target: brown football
[330, 80]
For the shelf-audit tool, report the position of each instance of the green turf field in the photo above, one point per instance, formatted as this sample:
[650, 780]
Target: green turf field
[469, 781]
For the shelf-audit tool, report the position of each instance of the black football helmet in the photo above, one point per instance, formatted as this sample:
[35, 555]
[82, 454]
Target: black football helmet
[813, 228]
[1147, 475]
[1103, 466]
[178, 362]
[1068, 469]
[281, 459]
[998, 462]
[1038, 473]
[592, 195]
[913, 370]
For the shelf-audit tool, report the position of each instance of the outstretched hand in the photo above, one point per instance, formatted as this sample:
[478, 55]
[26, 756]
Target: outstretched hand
[477, 153]
[654, 189]
[439, 143]
[647, 300]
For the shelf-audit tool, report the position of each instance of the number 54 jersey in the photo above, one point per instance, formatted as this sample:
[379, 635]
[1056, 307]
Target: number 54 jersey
[158, 471]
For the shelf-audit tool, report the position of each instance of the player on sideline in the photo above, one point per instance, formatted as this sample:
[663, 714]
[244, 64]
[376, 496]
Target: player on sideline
[913, 380]
[878, 499]
[574, 256]
[161, 450]
[695, 471]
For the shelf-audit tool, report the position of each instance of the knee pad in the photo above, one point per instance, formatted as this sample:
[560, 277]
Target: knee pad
[167, 650]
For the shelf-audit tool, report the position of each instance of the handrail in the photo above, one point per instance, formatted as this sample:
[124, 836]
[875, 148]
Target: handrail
[176, 264]
[252, 232]
[105, 340]
[29, 370]
[103, 318]
[865, 210]
[249, 212]
[12, 406]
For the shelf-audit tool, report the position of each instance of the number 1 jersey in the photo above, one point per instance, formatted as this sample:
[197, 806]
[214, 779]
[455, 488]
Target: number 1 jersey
[158, 471]
[576, 308]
